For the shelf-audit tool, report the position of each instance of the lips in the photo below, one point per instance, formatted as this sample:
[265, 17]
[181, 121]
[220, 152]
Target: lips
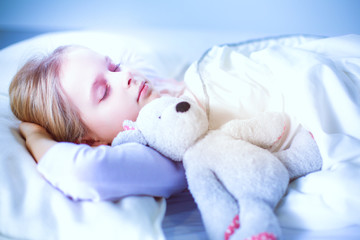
[142, 89]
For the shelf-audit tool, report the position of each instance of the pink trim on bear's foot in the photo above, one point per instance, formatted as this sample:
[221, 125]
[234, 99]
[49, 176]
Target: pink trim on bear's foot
[232, 227]
[263, 236]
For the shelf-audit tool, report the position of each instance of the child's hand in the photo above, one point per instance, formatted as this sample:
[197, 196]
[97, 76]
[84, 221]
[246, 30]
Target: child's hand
[29, 129]
[37, 139]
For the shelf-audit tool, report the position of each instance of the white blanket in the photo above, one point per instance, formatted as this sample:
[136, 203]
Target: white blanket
[317, 82]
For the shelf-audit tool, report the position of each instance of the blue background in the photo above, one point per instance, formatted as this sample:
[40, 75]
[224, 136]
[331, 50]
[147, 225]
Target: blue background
[20, 19]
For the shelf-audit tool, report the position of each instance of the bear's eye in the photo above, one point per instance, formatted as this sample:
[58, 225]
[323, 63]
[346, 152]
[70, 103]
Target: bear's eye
[159, 117]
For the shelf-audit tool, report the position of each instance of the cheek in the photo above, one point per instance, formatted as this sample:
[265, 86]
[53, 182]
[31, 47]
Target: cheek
[122, 106]
[108, 120]
[122, 111]
[114, 124]
[107, 129]
[130, 113]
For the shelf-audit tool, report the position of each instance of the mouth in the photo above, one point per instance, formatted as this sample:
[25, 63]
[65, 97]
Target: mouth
[142, 90]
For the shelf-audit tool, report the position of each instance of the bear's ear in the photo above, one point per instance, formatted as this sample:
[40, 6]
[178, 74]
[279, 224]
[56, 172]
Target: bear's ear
[130, 134]
[129, 125]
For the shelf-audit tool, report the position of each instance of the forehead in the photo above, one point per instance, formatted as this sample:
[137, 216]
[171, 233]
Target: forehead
[79, 68]
[76, 55]
[77, 63]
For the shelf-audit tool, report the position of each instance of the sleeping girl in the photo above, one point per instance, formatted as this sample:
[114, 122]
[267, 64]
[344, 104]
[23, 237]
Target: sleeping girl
[74, 101]
[75, 95]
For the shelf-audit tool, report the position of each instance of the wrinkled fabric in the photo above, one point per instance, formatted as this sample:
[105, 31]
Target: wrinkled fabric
[316, 81]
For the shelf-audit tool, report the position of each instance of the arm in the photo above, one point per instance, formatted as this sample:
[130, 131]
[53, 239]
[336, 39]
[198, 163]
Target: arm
[86, 173]
[105, 172]
[264, 130]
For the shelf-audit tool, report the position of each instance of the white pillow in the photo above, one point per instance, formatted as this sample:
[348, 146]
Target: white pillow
[30, 208]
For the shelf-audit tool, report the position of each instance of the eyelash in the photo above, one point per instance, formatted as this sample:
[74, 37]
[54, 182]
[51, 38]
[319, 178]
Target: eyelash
[106, 92]
[117, 67]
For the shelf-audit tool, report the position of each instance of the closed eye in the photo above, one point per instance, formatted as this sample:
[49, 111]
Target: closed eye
[106, 92]
[102, 92]
[112, 67]
[117, 68]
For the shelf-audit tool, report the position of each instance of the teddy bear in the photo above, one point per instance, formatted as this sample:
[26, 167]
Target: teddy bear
[234, 178]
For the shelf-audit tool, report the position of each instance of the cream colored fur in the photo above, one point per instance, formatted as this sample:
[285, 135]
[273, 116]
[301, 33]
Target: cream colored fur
[230, 171]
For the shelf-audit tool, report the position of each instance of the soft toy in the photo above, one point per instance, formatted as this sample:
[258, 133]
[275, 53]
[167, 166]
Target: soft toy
[235, 181]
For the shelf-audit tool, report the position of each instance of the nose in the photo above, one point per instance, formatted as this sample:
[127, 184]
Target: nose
[182, 107]
[124, 78]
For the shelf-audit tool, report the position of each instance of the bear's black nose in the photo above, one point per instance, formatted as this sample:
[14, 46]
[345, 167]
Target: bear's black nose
[182, 106]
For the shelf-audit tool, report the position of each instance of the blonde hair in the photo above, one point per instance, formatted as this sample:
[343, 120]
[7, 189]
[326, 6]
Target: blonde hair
[36, 96]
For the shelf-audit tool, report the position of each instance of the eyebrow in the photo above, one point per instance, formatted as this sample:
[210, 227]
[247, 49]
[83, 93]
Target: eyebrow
[108, 59]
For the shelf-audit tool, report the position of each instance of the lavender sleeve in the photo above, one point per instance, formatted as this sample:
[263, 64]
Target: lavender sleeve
[108, 173]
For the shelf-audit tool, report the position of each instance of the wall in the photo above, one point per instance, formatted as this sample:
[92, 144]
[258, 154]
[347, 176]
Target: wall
[20, 19]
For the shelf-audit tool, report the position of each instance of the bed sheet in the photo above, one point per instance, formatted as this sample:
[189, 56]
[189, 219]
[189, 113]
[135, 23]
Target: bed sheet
[183, 221]
[30, 208]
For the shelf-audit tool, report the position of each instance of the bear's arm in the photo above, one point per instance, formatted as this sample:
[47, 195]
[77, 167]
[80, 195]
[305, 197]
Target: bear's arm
[265, 130]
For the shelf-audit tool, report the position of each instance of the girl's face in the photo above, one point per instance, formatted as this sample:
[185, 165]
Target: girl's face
[105, 93]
